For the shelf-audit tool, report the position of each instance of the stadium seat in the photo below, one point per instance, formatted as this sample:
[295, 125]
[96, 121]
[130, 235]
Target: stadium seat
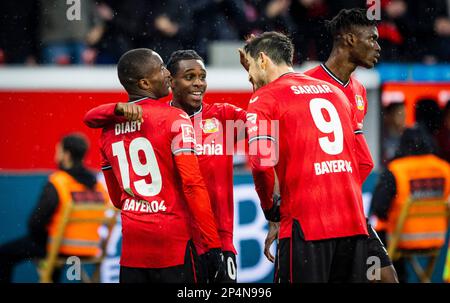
[224, 54]
[53, 259]
[401, 246]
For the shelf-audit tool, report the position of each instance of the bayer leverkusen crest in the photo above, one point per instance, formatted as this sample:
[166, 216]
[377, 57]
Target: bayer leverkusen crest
[210, 125]
[359, 102]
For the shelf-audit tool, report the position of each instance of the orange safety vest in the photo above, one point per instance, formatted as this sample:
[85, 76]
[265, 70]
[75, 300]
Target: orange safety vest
[80, 238]
[411, 174]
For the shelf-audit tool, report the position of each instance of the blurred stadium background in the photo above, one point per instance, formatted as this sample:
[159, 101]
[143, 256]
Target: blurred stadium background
[53, 70]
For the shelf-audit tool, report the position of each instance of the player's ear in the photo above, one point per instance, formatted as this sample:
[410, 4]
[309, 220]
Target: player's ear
[350, 39]
[172, 81]
[144, 84]
[263, 59]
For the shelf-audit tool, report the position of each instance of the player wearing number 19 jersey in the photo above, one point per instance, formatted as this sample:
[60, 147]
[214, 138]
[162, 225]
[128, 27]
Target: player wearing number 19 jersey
[304, 129]
[161, 188]
[155, 216]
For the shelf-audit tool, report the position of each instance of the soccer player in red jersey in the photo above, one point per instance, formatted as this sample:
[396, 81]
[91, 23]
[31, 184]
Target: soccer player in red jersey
[217, 127]
[148, 167]
[355, 44]
[303, 130]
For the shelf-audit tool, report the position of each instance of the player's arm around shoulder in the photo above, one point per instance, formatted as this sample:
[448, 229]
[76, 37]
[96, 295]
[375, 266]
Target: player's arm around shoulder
[233, 112]
[102, 115]
[235, 118]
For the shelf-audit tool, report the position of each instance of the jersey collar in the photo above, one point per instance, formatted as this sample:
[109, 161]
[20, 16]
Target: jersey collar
[195, 113]
[330, 73]
[139, 100]
[286, 73]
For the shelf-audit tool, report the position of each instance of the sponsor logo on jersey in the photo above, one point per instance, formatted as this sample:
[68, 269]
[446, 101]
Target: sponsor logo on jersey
[359, 102]
[210, 126]
[187, 132]
[209, 149]
[253, 100]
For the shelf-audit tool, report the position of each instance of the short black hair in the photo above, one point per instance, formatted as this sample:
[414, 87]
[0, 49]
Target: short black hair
[133, 66]
[180, 55]
[277, 46]
[346, 19]
[415, 141]
[428, 114]
[77, 145]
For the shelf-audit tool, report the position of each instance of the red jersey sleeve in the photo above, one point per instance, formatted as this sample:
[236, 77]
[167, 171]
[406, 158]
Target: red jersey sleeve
[100, 116]
[363, 156]
[235, 113]
[114, 191]
[197, 198]
[262, 129]
[238, 116]
[193, 185]
[362, 152]
[183, 134]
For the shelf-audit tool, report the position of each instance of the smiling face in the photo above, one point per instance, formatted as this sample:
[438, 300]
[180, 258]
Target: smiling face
[366, 50]
[189, 84]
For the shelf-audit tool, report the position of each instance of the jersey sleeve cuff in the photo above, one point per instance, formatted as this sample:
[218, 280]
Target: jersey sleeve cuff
[184, 150]
[261, 138]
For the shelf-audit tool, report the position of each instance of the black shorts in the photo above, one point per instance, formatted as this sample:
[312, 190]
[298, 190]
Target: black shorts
[376, 248]
[231, 268]
[331, 260]
[184, 273]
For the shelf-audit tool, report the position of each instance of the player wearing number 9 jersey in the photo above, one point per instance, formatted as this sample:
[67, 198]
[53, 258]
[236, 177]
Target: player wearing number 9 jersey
[156, 181]
[355, 44]
[304, 129]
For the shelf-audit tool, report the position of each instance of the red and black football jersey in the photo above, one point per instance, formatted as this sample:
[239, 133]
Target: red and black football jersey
[356, 94]
[308, 127]
[161, 184]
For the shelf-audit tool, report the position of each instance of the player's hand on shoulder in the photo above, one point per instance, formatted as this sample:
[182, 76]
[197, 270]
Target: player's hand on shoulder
[131, 111]
[216, 265]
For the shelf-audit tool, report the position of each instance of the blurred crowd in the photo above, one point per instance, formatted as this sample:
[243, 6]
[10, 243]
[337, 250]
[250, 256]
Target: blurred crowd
[39, 32]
